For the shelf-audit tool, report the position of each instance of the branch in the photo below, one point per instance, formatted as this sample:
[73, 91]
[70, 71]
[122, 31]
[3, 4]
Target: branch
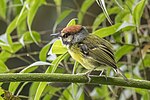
[55, 77]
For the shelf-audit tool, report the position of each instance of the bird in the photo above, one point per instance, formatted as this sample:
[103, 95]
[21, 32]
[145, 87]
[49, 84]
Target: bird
[91, 51]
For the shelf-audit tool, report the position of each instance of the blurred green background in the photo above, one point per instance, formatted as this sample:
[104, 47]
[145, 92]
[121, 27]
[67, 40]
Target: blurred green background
[25, 28]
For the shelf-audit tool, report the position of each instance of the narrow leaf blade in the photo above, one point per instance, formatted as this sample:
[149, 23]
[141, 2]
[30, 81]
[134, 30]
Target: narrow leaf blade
[86, 4]
[122, 51]
[138, 11]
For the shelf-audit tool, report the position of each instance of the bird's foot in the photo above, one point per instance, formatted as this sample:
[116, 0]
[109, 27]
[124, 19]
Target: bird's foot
[87, 74]
[102, 73]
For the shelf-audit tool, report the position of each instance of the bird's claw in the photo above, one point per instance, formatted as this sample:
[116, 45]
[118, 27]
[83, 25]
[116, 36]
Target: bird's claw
[86, 74]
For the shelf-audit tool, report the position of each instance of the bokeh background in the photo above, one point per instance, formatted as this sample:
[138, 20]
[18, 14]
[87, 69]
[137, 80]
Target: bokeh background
[131, 44]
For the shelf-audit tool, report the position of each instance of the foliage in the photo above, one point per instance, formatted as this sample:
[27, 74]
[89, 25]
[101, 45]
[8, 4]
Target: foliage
[25, 49]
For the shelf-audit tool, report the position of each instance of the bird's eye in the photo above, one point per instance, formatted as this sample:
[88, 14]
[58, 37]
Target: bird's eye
[66, 35]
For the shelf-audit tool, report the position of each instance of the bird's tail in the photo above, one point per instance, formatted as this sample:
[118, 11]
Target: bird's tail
[117, 70]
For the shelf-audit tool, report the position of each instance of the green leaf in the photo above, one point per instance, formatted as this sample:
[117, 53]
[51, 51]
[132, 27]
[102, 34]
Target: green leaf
[33, 89]
[13, 25]
[33, 65]
[13, 85]
[50, 91]
[3, 67]
[21, 87]
[101, 17]
[138, 11]
[99, 93]
[146, 61]
[43, 52]
[144, 93]
[31, 13]
[57, 48]
[101, 3]
[56, 62]
[86, 4]
[103, 32]
[39, 90]
[72, 22]
[75, 67]
[7, 48]
[117, 37]
[1, 98]
[3, 40]
[60, 18]
[34, 5]
[123, 50]
[4, 55]
[75, 93]
[118, 3]
[51, 69]
[21, 13]
[21, 28]
[15, 47]
[67, 93]
[125, 25]
[21, 40]
[3, 8]
[18, 8]
[3, 44]
[63, 16]
[26, 37]
[1, 91]
[120, 17]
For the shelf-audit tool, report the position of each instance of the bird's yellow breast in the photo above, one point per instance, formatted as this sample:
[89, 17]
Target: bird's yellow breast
[76, 54]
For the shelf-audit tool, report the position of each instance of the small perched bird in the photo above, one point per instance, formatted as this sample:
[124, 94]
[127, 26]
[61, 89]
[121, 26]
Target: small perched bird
[91, 51]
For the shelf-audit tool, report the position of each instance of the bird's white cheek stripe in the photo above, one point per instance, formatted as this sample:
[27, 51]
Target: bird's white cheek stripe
[63, 44]
[61, 41]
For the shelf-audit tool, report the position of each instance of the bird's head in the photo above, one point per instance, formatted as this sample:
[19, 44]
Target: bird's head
[73, 34]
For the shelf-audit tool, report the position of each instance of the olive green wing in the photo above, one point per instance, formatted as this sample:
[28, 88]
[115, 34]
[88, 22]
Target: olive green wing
[99, 50]
[95, 40]
[102, 56]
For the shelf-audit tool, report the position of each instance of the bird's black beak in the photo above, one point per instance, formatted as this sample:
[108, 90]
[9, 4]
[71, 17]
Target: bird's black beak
[56, 35]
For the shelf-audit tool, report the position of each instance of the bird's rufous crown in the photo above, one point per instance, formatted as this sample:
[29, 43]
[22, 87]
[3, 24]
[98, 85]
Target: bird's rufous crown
[71, 29]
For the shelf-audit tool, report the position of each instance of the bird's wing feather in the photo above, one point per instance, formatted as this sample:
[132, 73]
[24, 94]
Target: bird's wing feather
[101, 56]
[100, 50]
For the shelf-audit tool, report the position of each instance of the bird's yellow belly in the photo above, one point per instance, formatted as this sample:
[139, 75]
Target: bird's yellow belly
[82, 60]
[76, 56]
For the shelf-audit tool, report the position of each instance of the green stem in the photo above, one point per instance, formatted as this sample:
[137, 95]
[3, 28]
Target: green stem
[140, 52]
[55, 77]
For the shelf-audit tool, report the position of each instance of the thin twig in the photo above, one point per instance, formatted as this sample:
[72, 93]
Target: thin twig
[140, 53]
